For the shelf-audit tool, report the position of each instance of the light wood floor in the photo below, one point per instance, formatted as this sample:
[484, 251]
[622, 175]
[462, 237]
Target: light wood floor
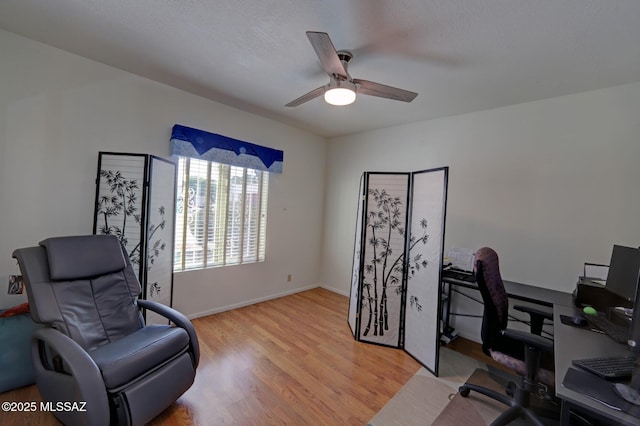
[289, 361]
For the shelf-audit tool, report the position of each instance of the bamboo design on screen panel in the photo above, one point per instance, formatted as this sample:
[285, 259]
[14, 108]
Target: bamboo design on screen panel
[385, 271]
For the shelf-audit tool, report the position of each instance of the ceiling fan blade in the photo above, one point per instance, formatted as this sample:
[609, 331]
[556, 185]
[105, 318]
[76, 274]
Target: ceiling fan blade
[384, 91]
[306, 97]
[327, 53]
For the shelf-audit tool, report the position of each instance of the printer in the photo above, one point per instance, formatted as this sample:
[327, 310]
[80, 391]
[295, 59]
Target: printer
[591, 293]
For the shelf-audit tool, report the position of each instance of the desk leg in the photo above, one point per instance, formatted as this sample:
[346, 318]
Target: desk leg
[446, 310]
[448, 307]
[565, 413]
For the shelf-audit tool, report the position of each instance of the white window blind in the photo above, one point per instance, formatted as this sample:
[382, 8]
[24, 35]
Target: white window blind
[221, 214]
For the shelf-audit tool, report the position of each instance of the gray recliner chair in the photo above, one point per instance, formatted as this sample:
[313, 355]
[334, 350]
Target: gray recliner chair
[96, 348]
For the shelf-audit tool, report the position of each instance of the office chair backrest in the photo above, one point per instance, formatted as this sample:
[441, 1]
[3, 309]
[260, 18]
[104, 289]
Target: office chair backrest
[494, 296]
[84, 286]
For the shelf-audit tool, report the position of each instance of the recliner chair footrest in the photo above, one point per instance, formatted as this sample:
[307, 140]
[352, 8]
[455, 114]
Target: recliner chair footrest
[154, 393]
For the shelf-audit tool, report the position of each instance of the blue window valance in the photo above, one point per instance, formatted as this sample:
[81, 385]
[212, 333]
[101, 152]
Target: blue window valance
[194, 143]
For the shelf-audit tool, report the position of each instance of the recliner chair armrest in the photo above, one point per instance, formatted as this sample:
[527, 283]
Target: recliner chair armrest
[529, 339]
[537, 315]
[178, 319]
[80, 382]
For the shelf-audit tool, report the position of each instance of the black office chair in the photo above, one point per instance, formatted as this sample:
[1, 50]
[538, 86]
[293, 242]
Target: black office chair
[96, 348]
[528, 354]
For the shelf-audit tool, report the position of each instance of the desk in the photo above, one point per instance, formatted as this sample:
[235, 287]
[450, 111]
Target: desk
[574, 343]
[517, 291]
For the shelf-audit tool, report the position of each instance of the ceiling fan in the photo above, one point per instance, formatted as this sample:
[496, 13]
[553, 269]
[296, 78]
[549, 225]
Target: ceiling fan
[342, 89]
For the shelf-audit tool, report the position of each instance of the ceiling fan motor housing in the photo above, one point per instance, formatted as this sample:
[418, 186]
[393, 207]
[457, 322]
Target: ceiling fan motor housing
[345, 57]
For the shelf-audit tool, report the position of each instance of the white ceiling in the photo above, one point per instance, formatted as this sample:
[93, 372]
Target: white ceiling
[459, 55]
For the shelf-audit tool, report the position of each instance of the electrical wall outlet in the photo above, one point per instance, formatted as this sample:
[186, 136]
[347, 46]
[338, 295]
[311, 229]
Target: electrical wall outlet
[289, 278]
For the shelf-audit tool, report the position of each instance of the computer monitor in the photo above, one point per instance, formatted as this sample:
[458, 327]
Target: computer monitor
[624, 270]
[631, 392]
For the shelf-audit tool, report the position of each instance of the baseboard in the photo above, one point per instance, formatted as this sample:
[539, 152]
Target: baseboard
[253, 301]
[334, 289]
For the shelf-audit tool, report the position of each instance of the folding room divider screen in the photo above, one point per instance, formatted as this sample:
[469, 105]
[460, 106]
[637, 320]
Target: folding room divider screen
[397, 262]
[135, 200]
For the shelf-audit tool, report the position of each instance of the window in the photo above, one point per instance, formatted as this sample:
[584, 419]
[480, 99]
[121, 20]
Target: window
[221, 215]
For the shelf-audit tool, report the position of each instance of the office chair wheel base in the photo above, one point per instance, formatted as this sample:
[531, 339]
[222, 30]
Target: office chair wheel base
[464, 391]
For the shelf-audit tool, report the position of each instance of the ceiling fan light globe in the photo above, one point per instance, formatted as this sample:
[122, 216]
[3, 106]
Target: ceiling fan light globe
[339, 96]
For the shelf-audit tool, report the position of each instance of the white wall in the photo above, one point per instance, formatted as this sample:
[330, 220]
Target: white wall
[58, 110]
[548, 184]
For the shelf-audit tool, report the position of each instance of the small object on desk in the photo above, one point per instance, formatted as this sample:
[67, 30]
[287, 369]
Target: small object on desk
[569, 320]
[625, 392]
[589, 310]
[579, 320]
